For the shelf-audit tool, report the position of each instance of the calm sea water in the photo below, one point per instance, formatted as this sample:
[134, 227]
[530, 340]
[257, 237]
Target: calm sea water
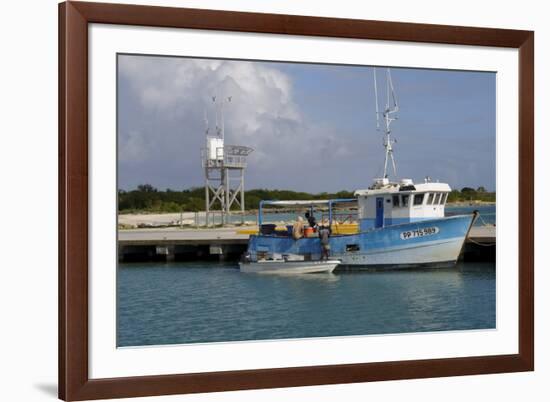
[175, 303]
[487, 213]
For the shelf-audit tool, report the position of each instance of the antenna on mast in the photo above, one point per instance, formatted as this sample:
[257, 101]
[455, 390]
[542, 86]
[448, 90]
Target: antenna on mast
[216, 115]
[391, 108]
[228, 100]
[376, 101]
[206, 126]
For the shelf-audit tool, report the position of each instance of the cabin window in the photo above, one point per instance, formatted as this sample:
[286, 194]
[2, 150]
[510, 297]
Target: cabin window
[430, 199]
[405, 200]
[352, 247]
[395, 200]
[443, 199]
[437, 198]
[418, 199]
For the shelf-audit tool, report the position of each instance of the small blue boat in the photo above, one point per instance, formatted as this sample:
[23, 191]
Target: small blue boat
[401, 224]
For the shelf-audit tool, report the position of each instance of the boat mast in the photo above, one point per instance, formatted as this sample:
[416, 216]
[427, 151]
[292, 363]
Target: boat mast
[390, 109]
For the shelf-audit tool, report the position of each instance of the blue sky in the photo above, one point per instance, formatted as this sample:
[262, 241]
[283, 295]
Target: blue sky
[313, 127]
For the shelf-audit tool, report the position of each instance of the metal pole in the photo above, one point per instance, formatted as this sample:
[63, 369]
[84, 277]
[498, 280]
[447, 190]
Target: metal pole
[227, 196]
[242, 196]
[386, 145]
[330, 213]
[207, 192]
[222, 194]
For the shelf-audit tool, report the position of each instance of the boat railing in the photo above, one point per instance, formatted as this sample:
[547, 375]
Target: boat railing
[304, 204]
[341, 218]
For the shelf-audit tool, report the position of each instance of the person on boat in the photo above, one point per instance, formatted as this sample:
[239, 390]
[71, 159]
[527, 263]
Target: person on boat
[311, 220]
[298, 229]
[324, 235]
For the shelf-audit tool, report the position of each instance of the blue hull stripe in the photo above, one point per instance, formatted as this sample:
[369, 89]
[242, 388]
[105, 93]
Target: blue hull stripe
[440, 230]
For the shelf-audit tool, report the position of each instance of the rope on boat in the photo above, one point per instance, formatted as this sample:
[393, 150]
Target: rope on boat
[481, 244]
[482, 221]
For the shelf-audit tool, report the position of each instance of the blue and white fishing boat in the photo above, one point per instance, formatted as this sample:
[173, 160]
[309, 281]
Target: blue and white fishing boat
[401, 224]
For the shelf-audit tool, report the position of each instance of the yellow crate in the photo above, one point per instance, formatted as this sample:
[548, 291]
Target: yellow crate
[247, 231]
[344, 228]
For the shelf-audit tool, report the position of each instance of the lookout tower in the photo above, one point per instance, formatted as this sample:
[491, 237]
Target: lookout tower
[224, 167]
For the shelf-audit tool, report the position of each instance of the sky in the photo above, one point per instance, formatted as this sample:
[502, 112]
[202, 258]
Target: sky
[312, 126]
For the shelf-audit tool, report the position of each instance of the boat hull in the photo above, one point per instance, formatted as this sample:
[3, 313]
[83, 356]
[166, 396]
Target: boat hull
[429, 243]
[295, 267]
[430, 254]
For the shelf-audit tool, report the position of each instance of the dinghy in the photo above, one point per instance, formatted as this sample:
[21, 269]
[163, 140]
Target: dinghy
[288, 266]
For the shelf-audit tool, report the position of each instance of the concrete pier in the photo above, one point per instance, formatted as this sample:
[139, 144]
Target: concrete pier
[480, 244]
[170, 244]
[173, 244]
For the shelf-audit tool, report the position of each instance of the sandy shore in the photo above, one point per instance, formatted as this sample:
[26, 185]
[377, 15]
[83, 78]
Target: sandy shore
[144, 220]
[165, 219]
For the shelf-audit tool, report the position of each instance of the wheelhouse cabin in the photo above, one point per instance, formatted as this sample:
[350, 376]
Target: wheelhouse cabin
[387, 203]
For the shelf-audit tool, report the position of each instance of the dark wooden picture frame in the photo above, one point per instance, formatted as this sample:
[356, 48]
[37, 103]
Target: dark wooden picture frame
[74, 381]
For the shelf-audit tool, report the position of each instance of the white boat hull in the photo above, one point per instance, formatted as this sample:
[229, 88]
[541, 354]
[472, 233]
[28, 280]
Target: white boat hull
[289, 267]
[436, 253]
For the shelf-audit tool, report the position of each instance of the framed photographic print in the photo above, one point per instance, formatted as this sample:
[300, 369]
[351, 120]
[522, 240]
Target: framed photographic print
[259, 200]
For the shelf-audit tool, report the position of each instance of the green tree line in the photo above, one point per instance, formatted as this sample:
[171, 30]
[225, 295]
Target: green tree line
[470, 194]
[146, 198]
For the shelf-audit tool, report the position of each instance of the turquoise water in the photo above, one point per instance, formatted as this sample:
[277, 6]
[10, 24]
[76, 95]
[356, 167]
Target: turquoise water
[171, 303]
[487, 213]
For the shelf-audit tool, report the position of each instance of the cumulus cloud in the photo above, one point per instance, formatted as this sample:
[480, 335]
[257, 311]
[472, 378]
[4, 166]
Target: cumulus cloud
[163, 102]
